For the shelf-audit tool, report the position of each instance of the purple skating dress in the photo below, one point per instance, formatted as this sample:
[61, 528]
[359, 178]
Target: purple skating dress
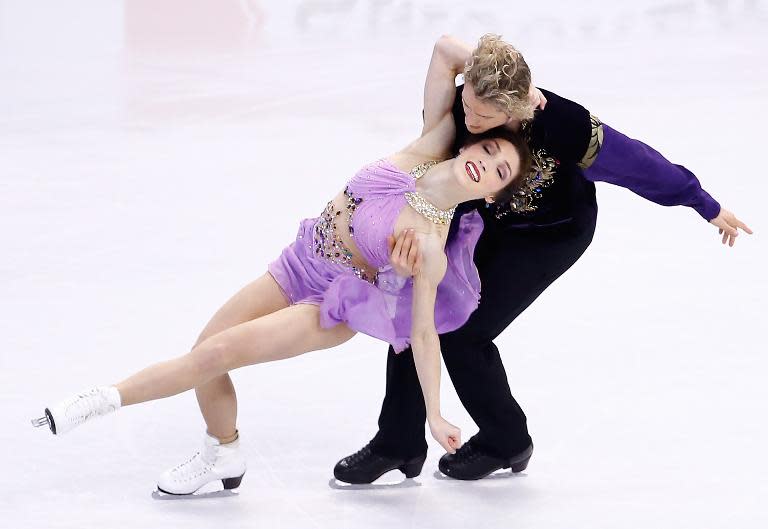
[312, 269]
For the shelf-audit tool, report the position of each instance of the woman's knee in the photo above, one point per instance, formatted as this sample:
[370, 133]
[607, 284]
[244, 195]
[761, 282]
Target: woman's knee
[212, 357]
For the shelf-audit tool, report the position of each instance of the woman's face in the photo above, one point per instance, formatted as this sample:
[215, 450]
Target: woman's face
[486, 167]
[480, 116]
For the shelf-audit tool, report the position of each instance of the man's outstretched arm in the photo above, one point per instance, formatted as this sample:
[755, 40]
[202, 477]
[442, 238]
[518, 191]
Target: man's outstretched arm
[617, 159]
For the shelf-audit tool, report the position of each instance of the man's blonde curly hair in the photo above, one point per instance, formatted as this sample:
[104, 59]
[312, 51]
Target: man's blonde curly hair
[499, 75]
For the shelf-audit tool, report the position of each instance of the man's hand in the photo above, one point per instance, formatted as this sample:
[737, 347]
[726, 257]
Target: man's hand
[536, 98]
[729, 226]
[404, 253]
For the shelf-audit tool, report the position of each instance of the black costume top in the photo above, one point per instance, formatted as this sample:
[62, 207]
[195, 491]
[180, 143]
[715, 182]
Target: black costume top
[570, 147]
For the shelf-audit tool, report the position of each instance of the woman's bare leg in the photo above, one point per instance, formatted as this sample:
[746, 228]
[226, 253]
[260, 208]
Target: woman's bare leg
[283, 334]
[217, 398]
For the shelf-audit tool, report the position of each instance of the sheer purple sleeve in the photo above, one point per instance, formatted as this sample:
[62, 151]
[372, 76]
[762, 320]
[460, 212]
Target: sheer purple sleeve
[641, 169]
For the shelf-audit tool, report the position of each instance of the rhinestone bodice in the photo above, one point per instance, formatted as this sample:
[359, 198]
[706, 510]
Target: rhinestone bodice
[373, 199]
[355, 227]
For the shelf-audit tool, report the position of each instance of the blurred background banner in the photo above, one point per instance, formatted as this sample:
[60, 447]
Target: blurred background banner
[227, 25]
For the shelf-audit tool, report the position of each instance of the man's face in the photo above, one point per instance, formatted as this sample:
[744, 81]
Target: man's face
[480, 115]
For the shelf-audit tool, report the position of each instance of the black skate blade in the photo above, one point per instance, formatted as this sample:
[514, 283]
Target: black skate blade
[161, 494]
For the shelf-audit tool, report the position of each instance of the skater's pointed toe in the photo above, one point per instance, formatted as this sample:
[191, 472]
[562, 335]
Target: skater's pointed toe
[79, 408]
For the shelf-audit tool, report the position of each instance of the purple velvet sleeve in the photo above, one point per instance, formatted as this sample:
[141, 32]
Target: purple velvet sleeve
[636, 166]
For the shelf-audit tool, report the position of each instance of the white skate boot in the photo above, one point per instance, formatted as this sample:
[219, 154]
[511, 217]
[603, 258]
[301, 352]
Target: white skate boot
[214, 461]
[75, 410]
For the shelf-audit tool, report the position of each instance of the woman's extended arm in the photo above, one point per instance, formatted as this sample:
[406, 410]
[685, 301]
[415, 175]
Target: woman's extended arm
[448, 58]
[425, 342]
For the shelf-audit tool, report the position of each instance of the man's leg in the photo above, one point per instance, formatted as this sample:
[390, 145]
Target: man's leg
[531, 259]
[402, 419]
[520, 269]
[470, 355]
[515, 268]
[403, 413]
[487, 398]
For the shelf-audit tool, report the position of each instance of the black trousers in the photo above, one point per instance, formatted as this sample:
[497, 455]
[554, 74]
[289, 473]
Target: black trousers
[515, 266]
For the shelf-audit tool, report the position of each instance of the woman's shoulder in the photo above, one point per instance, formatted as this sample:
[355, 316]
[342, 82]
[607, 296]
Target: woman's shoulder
[381, 177]
[403, 161]
[418, 152]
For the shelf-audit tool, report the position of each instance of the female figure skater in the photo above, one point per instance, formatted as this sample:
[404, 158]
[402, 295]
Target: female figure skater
[331, 282]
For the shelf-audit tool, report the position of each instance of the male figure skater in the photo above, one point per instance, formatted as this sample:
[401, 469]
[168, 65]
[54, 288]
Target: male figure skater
[525, 246]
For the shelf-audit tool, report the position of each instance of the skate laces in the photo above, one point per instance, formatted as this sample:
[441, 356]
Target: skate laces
[191, 468]
[467, 453]
[86, 405]
[364, 453]
[187, 462]
[201, 462]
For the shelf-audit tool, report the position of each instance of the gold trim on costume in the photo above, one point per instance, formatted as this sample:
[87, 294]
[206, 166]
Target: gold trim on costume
[541, 176]
[595, 142]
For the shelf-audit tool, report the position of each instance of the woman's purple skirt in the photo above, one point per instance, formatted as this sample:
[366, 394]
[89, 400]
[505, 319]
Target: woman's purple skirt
[383, 309]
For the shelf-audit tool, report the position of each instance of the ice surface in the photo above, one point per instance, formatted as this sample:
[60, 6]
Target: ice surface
[155, 156]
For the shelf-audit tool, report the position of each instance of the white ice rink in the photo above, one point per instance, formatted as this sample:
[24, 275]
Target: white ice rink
[156, 155]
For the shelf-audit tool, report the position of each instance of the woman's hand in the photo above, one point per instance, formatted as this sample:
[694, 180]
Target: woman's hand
[729, 226]
[448, 435]
[536, 98]
[404, 253]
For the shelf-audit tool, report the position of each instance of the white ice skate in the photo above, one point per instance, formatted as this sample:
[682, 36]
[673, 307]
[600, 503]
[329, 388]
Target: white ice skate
[214, 461]
[79, 408]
